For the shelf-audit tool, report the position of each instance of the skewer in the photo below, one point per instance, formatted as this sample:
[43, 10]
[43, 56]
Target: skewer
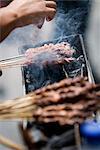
[8, 143]
[77, 136]
[47, 101]
[32, 53]
[13, 62]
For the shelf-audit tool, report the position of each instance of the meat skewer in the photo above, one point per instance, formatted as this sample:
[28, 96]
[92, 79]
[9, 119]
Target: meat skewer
[67, 102]
[31, 54]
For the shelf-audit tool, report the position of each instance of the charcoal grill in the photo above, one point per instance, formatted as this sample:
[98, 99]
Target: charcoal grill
[81, 67]
[60, 137]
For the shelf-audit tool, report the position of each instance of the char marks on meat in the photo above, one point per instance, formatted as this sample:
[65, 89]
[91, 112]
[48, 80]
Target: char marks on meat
[59, 105]
[66, 102]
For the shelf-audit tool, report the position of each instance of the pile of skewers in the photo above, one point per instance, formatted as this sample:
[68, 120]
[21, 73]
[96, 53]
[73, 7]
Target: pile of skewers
[66, 102]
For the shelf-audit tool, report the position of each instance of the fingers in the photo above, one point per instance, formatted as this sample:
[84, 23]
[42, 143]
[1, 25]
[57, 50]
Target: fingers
[51, 10]
[51, 4]
[41, 22]
[50, 14]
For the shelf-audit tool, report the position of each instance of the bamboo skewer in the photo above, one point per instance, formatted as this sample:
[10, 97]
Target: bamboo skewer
[52, 100]
[8, 143]
[13, 62]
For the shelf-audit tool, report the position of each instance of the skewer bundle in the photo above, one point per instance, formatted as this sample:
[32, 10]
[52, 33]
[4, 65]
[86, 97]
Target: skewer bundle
[60, 52]
[66, 102]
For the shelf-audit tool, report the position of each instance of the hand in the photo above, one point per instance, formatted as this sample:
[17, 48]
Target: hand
[32, 11]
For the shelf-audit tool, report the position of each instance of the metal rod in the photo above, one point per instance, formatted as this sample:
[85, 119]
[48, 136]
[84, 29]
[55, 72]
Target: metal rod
[77, 136]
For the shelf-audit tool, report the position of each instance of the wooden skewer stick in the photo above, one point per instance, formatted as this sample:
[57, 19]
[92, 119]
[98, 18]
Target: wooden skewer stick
[8, 143]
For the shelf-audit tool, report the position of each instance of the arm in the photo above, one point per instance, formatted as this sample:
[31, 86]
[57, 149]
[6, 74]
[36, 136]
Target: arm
[24, 12]
[7, 22]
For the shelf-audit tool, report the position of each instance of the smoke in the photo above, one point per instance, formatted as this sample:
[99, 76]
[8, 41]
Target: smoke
[70, 19]
[49, 66]
[12, 77]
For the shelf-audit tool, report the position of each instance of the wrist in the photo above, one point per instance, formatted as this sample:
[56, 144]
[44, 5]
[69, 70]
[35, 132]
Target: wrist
[8, 17]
